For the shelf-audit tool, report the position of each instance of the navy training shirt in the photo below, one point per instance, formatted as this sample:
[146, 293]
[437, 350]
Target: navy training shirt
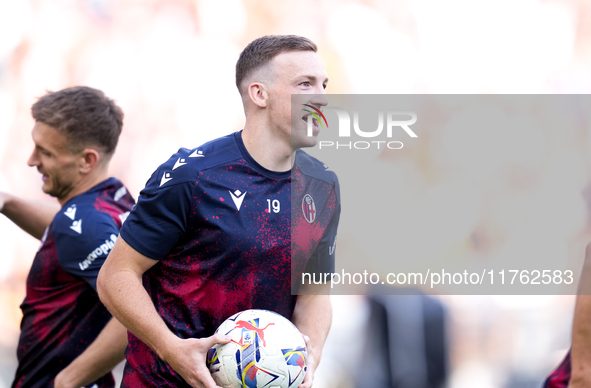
[62, 313]
[220, 225]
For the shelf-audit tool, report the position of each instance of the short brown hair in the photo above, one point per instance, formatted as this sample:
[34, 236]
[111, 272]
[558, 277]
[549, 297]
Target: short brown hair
[261, 51]
[85, 115]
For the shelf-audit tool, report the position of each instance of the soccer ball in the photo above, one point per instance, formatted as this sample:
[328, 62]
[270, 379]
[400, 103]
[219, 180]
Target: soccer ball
[266, 350]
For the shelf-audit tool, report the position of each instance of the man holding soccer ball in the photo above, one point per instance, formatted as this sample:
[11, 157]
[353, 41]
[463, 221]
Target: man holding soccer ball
[211, 233]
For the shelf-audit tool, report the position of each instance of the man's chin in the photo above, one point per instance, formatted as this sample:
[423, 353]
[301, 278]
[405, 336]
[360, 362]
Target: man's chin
[307, 143]
[302, 141]
[47, 189]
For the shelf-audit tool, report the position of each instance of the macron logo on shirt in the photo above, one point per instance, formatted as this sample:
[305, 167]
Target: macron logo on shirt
[71, 212]
[237, 197]
[77, 226]
[179, 163]
[165, 178]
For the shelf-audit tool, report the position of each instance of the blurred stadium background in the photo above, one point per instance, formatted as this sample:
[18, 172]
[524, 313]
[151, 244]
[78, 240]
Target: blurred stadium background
[170, 65]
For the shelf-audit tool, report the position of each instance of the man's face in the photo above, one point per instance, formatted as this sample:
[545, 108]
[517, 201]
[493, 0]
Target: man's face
[54, 160]
[302, 73]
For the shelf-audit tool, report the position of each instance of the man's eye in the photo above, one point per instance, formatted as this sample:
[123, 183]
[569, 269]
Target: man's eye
[305, 84]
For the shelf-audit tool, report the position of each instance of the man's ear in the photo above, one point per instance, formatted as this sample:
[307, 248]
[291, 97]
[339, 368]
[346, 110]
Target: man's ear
[89, 158]
[258, 94]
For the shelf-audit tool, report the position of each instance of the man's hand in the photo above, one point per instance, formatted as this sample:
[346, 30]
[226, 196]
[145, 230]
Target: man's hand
[106, 351]
[312, 316]
[187, 358]
[311, 365]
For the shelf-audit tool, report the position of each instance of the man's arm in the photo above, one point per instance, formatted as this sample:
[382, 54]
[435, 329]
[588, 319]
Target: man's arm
[31, 216]
[581, 344]
[100, 357]
[581, 335]
[313, 317]
[120, 288]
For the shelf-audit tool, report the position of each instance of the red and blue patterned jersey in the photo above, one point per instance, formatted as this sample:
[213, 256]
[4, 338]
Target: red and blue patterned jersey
[220, 225]
[62, 313]
[315, 214]
[561, 376]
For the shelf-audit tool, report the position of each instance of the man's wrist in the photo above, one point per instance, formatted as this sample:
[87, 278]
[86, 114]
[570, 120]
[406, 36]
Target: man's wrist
[166, 346]
[313, 357]
[67, 379]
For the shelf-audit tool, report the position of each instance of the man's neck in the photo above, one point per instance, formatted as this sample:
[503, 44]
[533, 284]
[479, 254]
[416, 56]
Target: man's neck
[269, 150]
[85, 184]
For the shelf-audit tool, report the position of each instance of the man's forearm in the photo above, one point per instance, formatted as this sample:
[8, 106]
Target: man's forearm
[581, 341]
[99, 358]
[31, 216]
[313, 317]
[120, 288]
[133, 307]
[126, 298]
[581, 335]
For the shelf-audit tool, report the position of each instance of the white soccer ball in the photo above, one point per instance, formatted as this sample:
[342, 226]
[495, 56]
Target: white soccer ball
[266, 350]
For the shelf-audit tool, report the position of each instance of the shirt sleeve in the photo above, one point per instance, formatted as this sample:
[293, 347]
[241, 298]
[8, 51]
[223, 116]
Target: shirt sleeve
[83, 246]
[323, 258]
[159, 218]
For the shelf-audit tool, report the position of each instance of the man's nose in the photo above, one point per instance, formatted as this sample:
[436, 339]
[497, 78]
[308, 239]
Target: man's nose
[320, 99]
[33, 159]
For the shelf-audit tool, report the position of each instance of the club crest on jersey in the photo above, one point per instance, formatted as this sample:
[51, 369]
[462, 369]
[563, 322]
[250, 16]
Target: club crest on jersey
[309, 208]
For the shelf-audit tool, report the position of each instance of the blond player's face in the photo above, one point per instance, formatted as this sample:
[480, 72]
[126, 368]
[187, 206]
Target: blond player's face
[52, 158]
[302, 73]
